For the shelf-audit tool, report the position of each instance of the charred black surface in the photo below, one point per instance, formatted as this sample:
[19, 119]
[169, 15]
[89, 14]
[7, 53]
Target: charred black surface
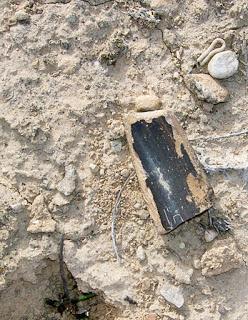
[166, 171]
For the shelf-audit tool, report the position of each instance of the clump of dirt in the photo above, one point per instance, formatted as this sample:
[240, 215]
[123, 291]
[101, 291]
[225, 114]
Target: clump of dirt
[70, 72]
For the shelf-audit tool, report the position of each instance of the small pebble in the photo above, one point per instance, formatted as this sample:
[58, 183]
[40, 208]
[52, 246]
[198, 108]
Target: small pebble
[22, 16]
[197, 263]
[143, 214]
[151, 316]
[210, 235]
[172, 294]
[182, 245]
[140, 254]
[93, 167]
[125, 173]
[223, 65]
[147, 103]
[116, 146]
[137, 205]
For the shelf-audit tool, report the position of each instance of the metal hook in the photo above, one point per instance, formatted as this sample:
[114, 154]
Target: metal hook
[209, 53]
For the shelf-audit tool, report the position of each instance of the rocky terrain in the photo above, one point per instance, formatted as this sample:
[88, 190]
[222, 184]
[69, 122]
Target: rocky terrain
[70, 72]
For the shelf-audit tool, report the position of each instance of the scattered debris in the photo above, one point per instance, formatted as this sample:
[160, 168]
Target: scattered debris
[222, 257]
[223, 65]
[147, 103]
[113, 49]
[173, 183]
[220, 224]
[206, 88]
[172, 294]
[68, 184]
[210, 235]
[147, 18]
[130, 300]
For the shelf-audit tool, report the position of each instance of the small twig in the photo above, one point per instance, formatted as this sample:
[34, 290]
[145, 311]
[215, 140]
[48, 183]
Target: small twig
[232, 134]
[97, 4]
[62, 270]
[114, 216]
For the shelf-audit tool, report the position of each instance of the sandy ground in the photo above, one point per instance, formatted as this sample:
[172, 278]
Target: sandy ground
[69, 73]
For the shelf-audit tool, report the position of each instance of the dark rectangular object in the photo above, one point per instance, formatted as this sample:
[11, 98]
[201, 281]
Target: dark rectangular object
[173, 182]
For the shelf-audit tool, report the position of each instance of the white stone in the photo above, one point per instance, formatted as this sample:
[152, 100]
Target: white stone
[93, 167]
[172, 294]
[223, 65]
[68, 184]
[210, 235]
[140, 254]
[182, 245]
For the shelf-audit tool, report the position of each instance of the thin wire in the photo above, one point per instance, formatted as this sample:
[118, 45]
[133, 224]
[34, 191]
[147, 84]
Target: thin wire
[114, 217]
[232, 134]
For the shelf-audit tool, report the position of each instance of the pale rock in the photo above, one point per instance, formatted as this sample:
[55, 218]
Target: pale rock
[183, 274]
[116, 145]
[180, 273]
[140, 254]
[172, 294]
[41, 220]
[151, 316]
[22, 16]
[137, 205]
[125, 173]
[197, 263]
[59, 200]
[68, 184]
[163, 6]
[93, 168]
[182, 245]
[17, 207]
[210, 235]
[76, 229]
[206, 88]
[91, 266]
[68, 64]
[222, 257]
[142, 214]
[223, 65]
[156, 307]
[147, 103]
